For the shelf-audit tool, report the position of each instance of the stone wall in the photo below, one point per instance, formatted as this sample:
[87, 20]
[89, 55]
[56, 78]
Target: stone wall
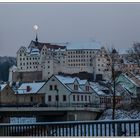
[27, 76]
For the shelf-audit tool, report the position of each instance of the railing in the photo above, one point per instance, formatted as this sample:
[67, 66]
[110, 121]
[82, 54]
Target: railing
[76, 128]
[56, 105]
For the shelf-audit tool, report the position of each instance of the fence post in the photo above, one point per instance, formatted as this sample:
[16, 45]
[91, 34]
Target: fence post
[1, 131]
[119, 129]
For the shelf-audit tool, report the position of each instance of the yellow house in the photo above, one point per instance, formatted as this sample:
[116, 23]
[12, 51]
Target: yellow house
[7, 95]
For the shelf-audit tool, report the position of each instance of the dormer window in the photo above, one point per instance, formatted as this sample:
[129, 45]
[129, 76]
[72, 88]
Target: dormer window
[75, 87]
[87, 88]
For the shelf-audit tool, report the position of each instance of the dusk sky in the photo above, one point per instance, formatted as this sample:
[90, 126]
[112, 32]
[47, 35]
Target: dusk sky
[116, 24]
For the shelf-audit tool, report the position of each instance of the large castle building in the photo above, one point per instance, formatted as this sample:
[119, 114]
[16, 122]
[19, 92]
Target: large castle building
[46, 59]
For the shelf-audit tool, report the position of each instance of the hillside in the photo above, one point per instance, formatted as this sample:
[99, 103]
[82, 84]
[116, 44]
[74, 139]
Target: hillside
[5, 63]
[120, 115]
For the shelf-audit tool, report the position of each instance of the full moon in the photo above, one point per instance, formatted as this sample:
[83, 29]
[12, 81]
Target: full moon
[35, 27]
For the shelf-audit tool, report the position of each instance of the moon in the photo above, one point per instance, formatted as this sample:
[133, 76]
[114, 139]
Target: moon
[35, 27]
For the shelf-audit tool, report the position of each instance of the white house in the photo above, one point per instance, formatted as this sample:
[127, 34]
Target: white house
[63, 91]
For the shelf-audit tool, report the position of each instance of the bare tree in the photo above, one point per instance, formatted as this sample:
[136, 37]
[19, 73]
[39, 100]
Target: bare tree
[133, 54]
[115, 67]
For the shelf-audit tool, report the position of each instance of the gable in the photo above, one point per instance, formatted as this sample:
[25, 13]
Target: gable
[54, 81]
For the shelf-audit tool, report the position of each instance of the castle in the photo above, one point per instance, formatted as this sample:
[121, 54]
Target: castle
[39, 61]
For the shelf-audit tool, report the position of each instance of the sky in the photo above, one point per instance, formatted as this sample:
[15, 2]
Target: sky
[111, 24]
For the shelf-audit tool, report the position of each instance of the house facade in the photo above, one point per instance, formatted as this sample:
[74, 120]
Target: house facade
[7, 95]
[67, 91]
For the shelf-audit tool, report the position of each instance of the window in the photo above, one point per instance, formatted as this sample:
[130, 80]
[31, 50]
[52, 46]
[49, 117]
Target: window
[81, 97]
[49, 98]
[85, 97]
[87, 88]
[51, 88]
[55, 87]
[75, 87]
[64, 98]
[89, 98]
[57, 98]
[77, 97]
[31, 99]
[73, 97]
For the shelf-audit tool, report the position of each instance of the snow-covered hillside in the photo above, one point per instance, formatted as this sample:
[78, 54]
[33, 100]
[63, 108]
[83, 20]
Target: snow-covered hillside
[120, 115]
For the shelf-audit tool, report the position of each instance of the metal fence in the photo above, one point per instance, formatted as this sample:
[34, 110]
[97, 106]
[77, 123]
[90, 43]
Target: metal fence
[74, 129]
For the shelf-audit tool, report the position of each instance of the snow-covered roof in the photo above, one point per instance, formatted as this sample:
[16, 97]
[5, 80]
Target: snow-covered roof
[84, 45]
[66, 80]
[35, 51]
[97, 88]
[69, 81]
[82, 82]
[33, 87]
[133, 79]
[13, 68]
[2, 86]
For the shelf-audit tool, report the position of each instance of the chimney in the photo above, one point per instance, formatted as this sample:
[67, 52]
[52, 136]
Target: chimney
[28, 88]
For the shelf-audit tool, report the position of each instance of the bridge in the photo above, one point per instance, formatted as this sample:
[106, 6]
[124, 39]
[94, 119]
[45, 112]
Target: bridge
[50, 113]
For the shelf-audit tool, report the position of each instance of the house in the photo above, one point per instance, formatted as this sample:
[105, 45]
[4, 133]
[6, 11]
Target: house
[103, 93]
[126, 97]
[7, 95]
[27, 94]
[130, 82]
[66, 91]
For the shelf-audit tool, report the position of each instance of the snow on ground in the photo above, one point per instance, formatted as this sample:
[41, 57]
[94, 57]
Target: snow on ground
[120, 115]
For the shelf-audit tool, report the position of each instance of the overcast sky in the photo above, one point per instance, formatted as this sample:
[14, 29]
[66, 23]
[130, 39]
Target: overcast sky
[116, 24]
